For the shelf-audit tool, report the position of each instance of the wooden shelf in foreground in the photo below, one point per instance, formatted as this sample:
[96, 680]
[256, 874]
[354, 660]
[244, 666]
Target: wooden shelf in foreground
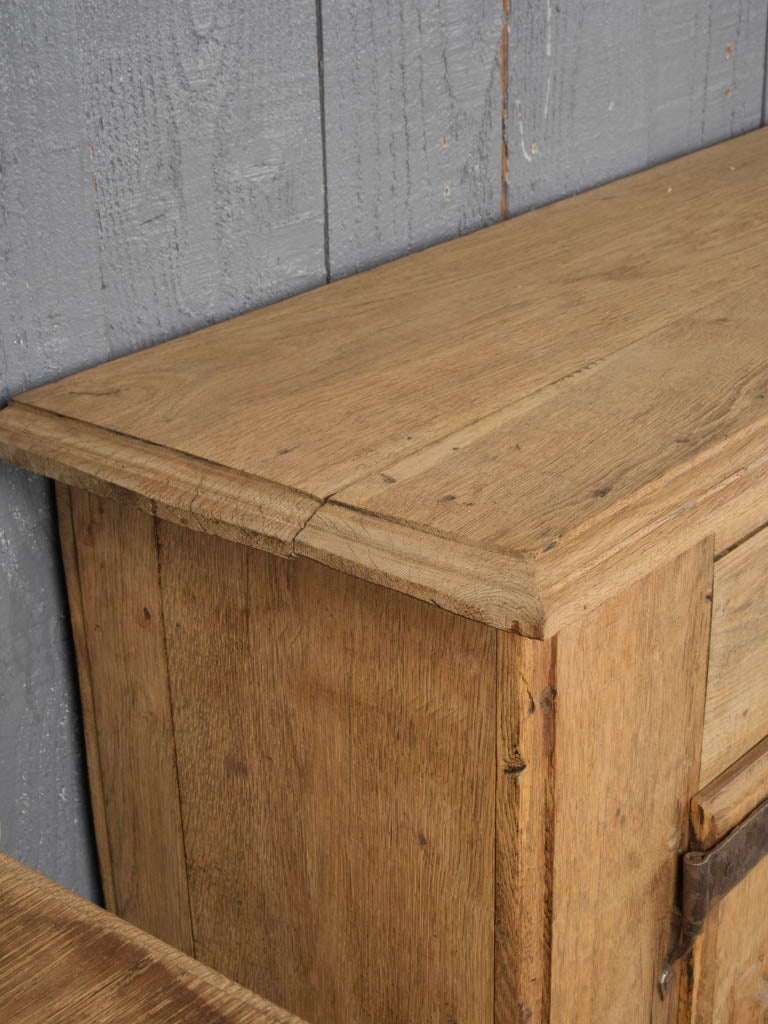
[393, 605]
[65, 961]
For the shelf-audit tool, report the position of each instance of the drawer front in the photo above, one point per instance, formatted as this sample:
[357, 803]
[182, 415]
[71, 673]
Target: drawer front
[728, 975]
[736, 714]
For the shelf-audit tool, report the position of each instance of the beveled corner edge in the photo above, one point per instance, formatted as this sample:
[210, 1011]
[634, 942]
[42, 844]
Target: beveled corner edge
[173, 485]
[496, 588]
[724, 493]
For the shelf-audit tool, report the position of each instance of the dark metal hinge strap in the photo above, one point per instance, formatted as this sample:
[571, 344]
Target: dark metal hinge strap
[710, 875]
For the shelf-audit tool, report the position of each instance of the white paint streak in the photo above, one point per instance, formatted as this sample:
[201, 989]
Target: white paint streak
[548, 51]
[520, 125]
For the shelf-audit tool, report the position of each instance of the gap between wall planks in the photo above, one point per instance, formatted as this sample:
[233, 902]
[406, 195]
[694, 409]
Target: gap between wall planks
[606, 718]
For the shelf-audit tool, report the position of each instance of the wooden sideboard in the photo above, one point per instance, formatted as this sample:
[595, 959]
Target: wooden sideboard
[415, 613]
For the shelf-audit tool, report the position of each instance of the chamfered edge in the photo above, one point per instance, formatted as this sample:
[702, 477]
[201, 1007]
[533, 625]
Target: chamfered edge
[722, 492]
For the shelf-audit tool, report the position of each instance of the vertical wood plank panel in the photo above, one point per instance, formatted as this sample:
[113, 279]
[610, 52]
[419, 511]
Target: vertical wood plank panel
[125, 652]
[90, 730]
[413, 124]
[524, 827]
[336, 754]
[631, 680]
[597, 89]
[204, 129]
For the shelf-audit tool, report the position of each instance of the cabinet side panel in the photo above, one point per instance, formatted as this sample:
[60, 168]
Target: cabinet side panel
[127, 711]
[77, 620]
[524, 827]
[631, 679]
[336, 760]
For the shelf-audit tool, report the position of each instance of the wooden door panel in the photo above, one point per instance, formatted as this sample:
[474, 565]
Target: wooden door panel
[728, 969]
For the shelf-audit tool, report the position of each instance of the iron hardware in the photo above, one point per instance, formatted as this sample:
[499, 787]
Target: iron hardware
[710, 875]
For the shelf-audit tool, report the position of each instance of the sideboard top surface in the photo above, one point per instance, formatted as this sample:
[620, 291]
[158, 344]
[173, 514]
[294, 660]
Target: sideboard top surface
[513, 424]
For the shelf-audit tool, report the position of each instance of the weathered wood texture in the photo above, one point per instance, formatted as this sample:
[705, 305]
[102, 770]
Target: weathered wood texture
[50, 324]
[413, 124]
[626, 689]
[596, 90]
[64, 961]
[737, 713]
[525, 780]
[722, 804]
[727, 976]
[335, 747]
[337, 792]
[114, 589]
[203, 124]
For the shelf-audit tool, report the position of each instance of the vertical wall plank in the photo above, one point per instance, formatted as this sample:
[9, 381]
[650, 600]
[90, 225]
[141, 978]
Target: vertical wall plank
[597, 89]
[50, 324]
[122, 642]
[204, 131]
[336, 760]
[413, 124]
[160, 167]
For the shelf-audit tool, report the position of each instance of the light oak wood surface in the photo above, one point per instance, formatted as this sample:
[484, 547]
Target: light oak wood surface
[727, 974]
[737, 711]
[333, 743]
[629, 707]
[571, 399]
[65, 961]
[525, 836]
[730, 968]
[729, 798]
[335, 746]
[114, 589]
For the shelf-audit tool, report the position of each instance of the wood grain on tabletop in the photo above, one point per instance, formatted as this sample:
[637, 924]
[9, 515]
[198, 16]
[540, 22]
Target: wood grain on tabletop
[345, 380]
[336, 748]
[119, 636]
[563, 420]
[737, 715]
[730, 797]
[66, 961]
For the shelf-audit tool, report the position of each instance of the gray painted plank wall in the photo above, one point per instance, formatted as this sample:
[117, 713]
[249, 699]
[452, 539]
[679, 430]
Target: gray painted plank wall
[597, 89]
[167, 164]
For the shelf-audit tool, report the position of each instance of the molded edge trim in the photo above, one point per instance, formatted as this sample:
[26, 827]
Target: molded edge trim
[181, 488]
[724, 491]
